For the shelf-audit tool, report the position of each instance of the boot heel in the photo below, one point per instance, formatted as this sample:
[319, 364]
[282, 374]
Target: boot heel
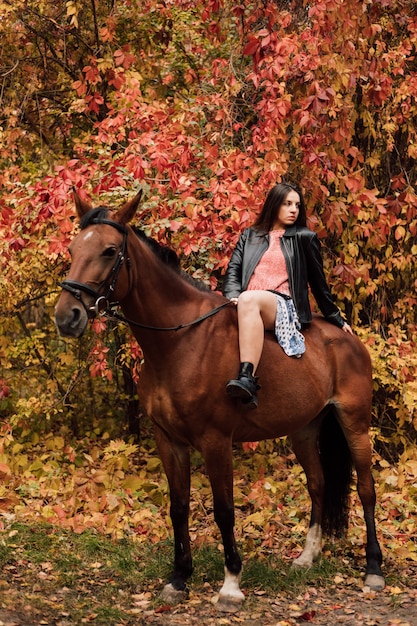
[252, 403]
[238, 389]
[244, 387]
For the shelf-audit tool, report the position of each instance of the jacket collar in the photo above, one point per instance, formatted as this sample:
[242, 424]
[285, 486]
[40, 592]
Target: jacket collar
[291, 231]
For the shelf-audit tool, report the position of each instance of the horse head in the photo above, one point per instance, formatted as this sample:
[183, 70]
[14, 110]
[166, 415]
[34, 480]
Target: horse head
[99, 270]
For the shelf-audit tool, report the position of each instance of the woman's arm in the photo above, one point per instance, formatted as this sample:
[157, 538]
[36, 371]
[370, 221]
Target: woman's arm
[232, 286]
[319, 286]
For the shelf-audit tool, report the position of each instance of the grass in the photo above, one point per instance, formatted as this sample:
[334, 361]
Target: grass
[89, 577]
[131, 563]
[82, 576]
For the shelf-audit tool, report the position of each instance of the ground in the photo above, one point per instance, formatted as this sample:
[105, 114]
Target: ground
[344, 601]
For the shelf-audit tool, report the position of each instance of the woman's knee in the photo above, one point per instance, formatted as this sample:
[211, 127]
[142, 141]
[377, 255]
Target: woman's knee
[248, 300]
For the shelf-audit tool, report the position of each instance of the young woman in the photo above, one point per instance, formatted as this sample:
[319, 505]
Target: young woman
[271, 268]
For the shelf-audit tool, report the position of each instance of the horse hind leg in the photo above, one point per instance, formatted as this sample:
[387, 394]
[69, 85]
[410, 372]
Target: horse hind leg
[360, 447]
[322, 450]
[304, 444]
[354, 420]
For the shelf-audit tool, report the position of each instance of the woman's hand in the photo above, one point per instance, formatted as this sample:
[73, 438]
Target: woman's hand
[347, 329]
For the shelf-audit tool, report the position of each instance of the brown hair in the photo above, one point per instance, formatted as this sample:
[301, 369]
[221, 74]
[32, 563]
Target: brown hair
[274, 201]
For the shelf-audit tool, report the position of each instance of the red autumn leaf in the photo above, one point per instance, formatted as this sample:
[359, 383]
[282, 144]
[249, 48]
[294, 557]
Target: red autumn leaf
[92, 74]
[163, 609]
[308, 616]
[252, 46]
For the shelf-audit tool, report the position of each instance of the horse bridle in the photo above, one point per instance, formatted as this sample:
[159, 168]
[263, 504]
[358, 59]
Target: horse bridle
[102, 302]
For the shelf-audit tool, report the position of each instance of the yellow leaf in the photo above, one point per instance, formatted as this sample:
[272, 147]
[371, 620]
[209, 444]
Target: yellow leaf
[71, 8]
[373, 161]
[100, 477]
[399, 232]
[391, 480]
[411, 468]
[112, 501]
[395, 591]
[153, 464]
[256, 518]
[132, 483]
[34, 438]
[66, 358]
[56, 443]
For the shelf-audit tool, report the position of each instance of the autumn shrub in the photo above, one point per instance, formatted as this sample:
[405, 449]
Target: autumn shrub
[394, 373]
[203, 105]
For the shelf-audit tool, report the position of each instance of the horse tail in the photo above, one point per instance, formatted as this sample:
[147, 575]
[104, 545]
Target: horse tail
[337, 467]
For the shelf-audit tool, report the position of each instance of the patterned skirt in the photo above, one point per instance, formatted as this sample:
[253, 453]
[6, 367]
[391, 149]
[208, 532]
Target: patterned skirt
[287, 327]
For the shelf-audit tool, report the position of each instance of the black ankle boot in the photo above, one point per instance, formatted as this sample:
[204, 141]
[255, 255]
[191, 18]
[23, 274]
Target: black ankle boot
[244, 386]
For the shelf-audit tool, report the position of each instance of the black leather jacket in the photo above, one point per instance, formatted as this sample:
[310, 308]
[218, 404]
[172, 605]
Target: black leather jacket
[301, 249]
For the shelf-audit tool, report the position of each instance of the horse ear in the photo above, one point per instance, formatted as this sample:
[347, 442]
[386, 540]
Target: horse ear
[128, 210]
[81, 205]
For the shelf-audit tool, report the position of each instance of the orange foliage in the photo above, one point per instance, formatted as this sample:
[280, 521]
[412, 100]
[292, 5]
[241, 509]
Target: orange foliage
[204, 105]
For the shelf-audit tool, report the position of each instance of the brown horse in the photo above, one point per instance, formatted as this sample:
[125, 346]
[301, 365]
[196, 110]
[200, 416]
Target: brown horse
[190, 345]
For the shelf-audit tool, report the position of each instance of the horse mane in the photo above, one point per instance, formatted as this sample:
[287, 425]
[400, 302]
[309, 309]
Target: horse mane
[168, 256]
[164, 253]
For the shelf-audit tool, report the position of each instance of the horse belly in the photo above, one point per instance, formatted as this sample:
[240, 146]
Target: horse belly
[273, 420]
[292, 393]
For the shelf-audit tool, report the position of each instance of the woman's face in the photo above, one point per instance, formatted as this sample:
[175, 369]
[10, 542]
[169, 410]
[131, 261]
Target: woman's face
[288, 211]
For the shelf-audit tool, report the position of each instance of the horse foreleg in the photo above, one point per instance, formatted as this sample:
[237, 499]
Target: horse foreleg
[362, 455]
[176, 462]
[305, 447]
[218, 458]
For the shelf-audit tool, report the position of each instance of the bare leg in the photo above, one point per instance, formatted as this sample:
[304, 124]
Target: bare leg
[256, 313]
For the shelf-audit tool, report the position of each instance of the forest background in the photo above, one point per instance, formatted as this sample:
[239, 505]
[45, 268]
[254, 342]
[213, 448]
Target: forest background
[203, 105]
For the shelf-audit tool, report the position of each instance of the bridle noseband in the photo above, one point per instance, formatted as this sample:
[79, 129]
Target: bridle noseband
[102, 302]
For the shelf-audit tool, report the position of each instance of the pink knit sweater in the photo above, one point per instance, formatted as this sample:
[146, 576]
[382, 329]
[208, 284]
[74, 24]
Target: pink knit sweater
[271, 271]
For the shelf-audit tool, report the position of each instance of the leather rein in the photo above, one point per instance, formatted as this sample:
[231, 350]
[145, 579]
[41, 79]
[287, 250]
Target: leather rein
[102, 305]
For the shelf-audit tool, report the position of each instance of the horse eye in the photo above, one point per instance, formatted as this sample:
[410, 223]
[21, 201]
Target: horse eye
[109, 252]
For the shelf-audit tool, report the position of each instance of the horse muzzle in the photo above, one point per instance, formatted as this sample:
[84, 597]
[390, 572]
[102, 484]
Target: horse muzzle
[72, 321]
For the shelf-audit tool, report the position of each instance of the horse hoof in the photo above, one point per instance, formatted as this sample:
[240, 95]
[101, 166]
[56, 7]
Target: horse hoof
[170, 595]
[375, 582]
[301, 563]
[228, 604]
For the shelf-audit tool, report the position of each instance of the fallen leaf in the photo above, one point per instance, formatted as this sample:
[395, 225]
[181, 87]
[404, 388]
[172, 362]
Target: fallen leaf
[163, 609]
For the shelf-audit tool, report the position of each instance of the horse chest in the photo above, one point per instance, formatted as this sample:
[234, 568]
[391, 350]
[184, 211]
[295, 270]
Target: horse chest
[162, 405]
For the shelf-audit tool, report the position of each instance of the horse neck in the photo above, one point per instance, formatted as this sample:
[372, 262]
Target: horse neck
[159, 297]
